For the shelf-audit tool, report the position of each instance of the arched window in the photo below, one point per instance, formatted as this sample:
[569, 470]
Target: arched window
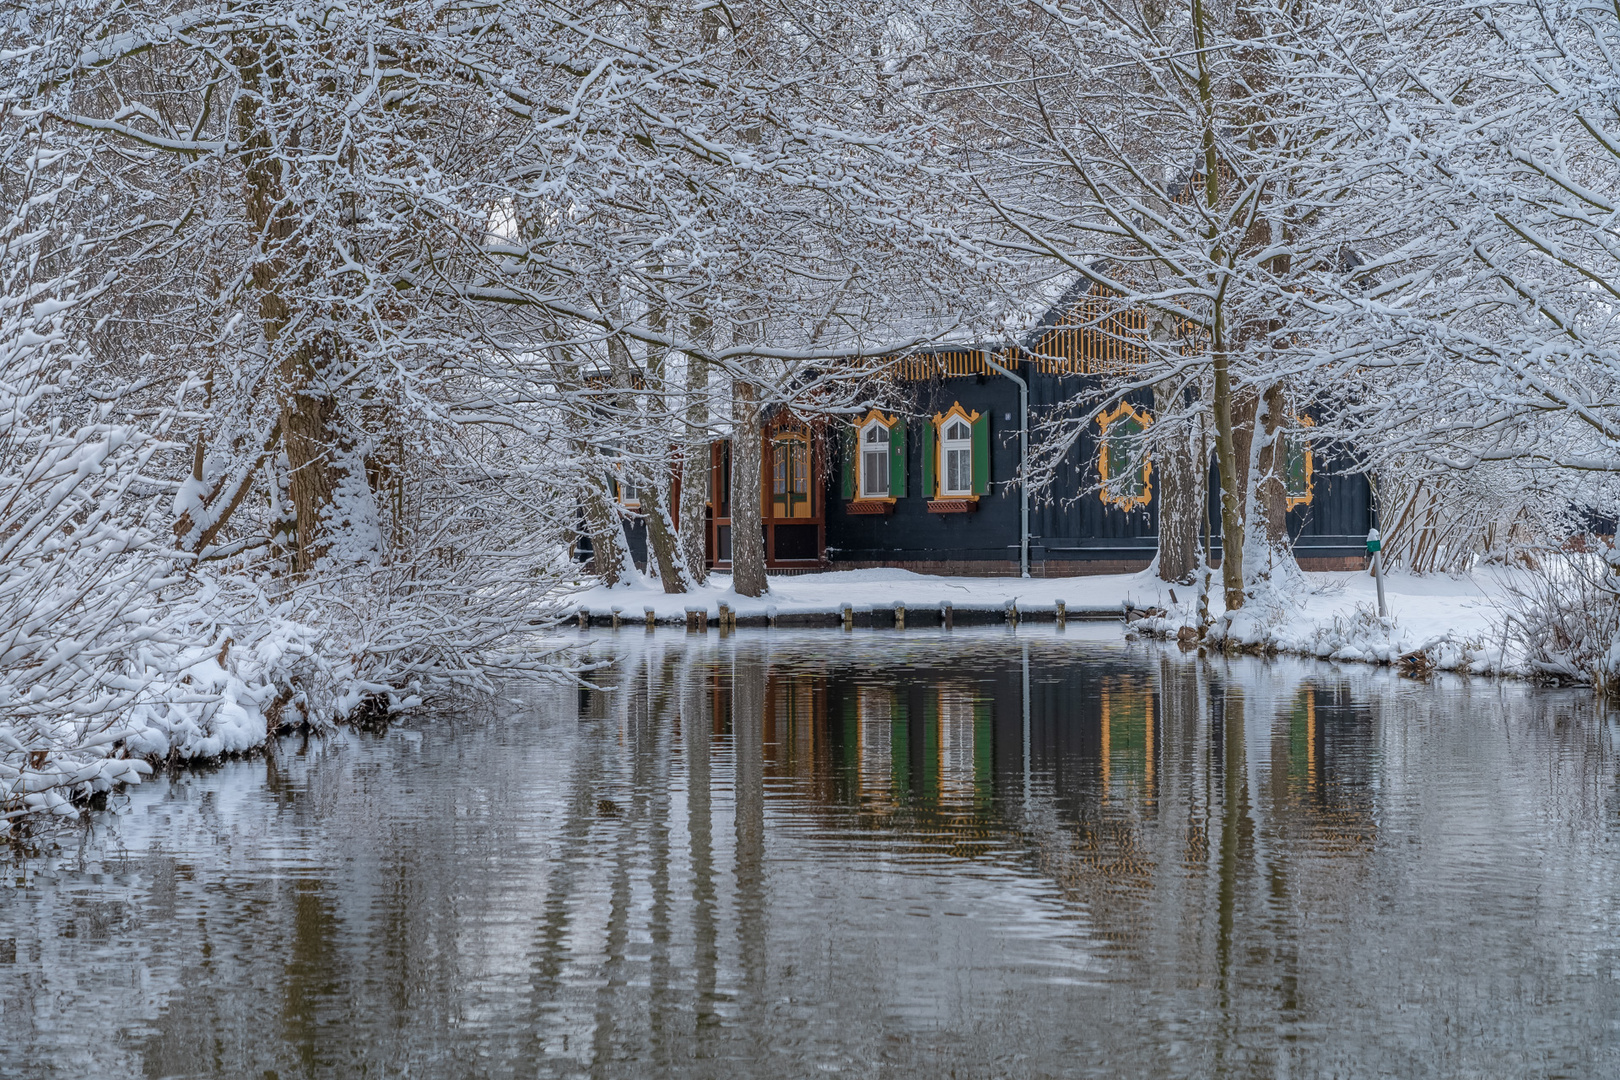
[1122, 460]
[875, 460]
[874, 467]
[956, 457]
[956, 460]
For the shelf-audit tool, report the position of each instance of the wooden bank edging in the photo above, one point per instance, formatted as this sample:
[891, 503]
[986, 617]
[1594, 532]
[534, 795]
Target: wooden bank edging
[897, 616]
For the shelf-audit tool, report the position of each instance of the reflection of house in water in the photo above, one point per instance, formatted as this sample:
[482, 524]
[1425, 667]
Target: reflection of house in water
[874, 719]
[941, 754]
[1125, 741]
[850, 741]
[925, 737]
[966, 755]
[1323, 766]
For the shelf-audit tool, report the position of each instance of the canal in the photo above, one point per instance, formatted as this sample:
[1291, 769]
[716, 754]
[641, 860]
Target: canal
[1037, 852]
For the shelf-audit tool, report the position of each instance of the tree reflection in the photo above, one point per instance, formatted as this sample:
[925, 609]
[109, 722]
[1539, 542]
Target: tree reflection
[917, 853]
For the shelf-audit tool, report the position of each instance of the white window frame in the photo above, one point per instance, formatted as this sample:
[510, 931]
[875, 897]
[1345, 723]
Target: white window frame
[888, 481]
[949, 446]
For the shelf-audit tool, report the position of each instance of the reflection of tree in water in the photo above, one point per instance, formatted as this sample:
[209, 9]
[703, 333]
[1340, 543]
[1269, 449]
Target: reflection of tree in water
[695, 873]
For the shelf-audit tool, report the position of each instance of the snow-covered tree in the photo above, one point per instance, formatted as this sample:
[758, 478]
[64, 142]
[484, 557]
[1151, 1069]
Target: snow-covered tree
[1480, 138]
[1156, 152]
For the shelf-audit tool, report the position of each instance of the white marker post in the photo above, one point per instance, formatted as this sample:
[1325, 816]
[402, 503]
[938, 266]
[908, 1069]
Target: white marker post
[1374, 546]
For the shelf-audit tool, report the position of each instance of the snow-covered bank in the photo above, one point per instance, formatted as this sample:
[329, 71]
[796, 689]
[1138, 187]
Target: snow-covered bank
[829, 592]
[216, 668]
[217, 677]
[1435, 622]
[1455, 622]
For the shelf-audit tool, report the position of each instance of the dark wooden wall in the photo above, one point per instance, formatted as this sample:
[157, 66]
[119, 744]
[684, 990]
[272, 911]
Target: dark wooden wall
[1069, 522]
[913, 535]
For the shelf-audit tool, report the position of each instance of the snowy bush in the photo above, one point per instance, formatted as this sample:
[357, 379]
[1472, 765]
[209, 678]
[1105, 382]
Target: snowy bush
[79, 579]
[1565, 616]
[117, 651]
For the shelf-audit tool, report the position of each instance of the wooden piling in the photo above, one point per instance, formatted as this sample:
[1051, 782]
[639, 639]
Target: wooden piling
[947, 614]
[899, 615]
[1061, 614]
[849, 617]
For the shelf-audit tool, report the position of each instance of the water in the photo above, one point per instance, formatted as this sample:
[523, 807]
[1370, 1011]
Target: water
[920, 854]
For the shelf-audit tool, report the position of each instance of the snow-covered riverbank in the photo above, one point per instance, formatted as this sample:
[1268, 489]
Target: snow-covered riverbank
[809, 594]
[1435, 621]
[1456, 622]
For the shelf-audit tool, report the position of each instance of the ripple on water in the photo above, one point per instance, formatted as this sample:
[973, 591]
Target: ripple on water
[979, 853]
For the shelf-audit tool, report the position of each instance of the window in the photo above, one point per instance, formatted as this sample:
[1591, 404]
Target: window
[956, 457]
[1122, 460]
[956, 460]
[875, 460]
[790, 476]
[874, 463]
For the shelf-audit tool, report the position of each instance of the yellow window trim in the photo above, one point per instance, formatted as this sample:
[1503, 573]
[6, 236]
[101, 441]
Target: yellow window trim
[1126, 502]
[618, 490]
[861, 424]
[940, 420]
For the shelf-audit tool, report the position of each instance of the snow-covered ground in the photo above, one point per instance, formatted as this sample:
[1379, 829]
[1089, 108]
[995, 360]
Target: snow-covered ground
[1457, 621]
[1442, 622]
[806, 593]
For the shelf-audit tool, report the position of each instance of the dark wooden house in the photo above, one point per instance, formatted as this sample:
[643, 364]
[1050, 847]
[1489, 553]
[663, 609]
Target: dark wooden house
[930, 484]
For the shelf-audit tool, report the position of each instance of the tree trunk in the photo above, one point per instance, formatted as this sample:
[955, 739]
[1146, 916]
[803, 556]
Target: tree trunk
[308, 442]
[694, 525]
[1271, 491]
[1181, 494]
[1232, 487]
[747, 534]
[653, 491]
[661, 536]
[610, 555]
[307, 412]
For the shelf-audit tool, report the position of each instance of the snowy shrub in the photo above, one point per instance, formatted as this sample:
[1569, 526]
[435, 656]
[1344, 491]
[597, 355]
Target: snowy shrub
[1360, 635]
[79, 578]
[1565, 617]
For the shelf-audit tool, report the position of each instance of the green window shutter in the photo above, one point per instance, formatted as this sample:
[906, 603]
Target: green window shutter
[930, 488]
[1130, 465]
[981, 455]
[846, 441]
[1297, 480]
[897, 459]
